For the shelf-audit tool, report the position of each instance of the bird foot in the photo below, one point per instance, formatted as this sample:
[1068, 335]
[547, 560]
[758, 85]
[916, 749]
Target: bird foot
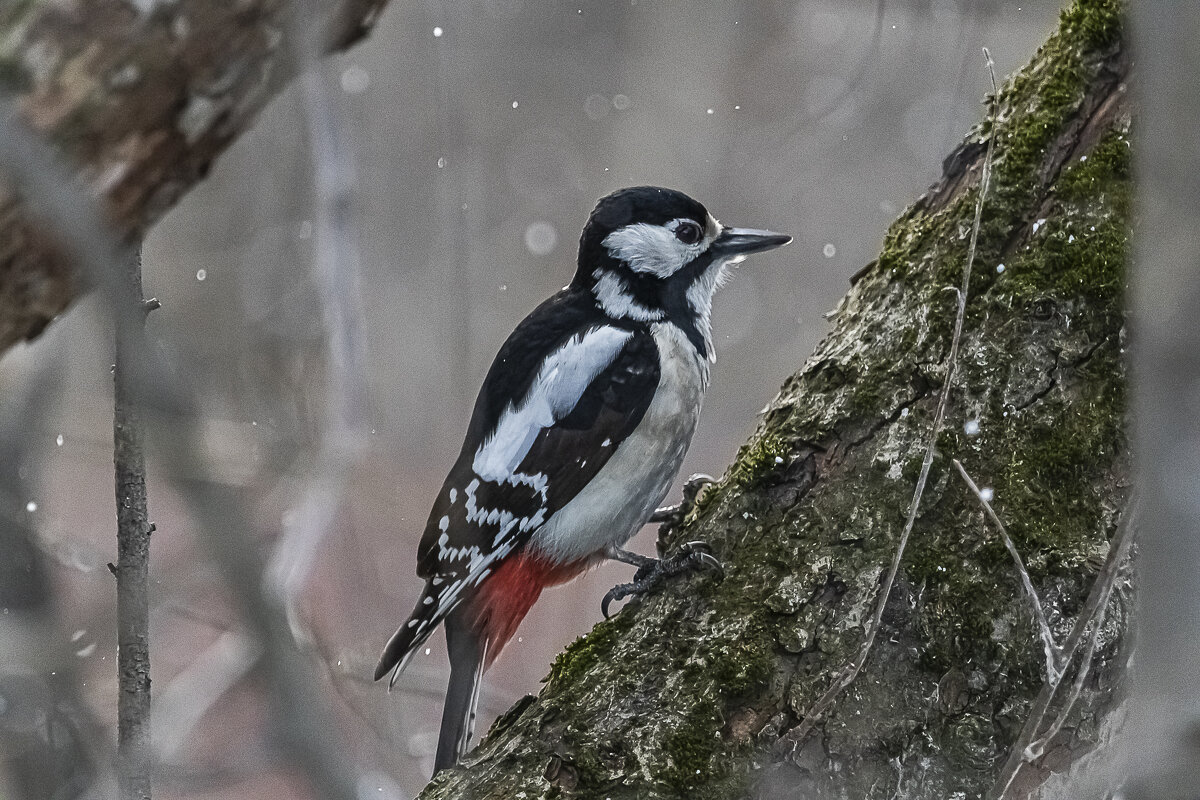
[673, 515]
[653, 571]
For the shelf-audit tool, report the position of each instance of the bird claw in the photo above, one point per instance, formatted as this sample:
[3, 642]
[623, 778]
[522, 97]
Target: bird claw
[673, 515]
[700, 556]
[692, 555]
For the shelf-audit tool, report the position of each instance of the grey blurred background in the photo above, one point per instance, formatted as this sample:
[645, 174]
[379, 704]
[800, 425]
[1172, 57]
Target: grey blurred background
[483, 133]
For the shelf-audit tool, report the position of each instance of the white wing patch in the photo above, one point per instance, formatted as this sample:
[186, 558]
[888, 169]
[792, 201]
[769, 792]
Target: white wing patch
[641, 467]
[561, 381]
[563, 378]
[554, 393]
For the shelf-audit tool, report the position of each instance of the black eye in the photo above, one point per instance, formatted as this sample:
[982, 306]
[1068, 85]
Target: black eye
[688, 232]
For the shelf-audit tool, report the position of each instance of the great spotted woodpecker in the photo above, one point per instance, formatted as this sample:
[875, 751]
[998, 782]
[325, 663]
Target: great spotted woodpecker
[579, 430]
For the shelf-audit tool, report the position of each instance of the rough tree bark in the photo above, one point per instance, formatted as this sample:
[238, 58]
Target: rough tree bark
[691, 692]
[139, 97]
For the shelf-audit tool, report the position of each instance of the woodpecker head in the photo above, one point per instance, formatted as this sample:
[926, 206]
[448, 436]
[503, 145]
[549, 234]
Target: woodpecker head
[654, 254]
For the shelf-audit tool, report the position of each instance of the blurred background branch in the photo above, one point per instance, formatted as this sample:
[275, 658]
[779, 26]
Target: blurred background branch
[342, 421]
[51, 747]
[138, 99]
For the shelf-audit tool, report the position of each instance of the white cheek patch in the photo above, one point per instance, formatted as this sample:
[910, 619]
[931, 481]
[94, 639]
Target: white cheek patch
[652, 248]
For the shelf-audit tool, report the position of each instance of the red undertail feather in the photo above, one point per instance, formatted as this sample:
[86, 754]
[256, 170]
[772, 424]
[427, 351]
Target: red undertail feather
[506, 596]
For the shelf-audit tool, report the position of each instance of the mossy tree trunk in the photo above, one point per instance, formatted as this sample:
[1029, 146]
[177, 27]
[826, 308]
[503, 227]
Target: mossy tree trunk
[691, 692]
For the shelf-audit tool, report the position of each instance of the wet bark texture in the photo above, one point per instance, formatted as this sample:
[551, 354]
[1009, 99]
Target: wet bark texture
[138, 98]
[690, 692]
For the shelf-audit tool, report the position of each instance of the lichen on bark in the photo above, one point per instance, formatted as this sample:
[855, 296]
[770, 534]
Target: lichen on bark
[687, 693]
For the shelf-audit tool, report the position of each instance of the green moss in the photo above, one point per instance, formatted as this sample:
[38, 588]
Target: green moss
[691, 750]
[1097, 23]
[763, 456]
[1080, 249]
[1049, 469]
[904, 241]
[1049, 492]
[1038, 102]
[1101, 175]
[744, 666]
[585, 652]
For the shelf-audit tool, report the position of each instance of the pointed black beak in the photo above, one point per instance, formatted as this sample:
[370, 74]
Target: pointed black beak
[743, 241]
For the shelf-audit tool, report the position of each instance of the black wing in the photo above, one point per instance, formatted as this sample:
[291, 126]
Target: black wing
[478, 519]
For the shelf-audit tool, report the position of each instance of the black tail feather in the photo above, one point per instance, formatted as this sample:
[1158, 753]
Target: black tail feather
[411, 635]
[468, 654]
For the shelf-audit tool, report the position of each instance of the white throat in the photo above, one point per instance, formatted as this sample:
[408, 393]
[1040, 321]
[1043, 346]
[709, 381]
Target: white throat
[700, 297]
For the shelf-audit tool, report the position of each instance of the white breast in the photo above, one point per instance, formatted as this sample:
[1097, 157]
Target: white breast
[621, 497]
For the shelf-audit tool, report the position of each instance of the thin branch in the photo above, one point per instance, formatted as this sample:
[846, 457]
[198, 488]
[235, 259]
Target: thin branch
[1097, 600]
[133, 563]
[791, 741]
[1037, 749]
[1055, 664]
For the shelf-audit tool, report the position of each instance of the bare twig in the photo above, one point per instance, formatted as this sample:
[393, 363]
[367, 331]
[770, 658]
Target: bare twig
[133, 563]
[1055, 664]
[791, 741]
[1097, 599]
[1037, 749]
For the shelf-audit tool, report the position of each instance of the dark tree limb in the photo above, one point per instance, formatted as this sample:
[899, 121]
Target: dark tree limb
[139, 105]
[133, 564]
[692, 692]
